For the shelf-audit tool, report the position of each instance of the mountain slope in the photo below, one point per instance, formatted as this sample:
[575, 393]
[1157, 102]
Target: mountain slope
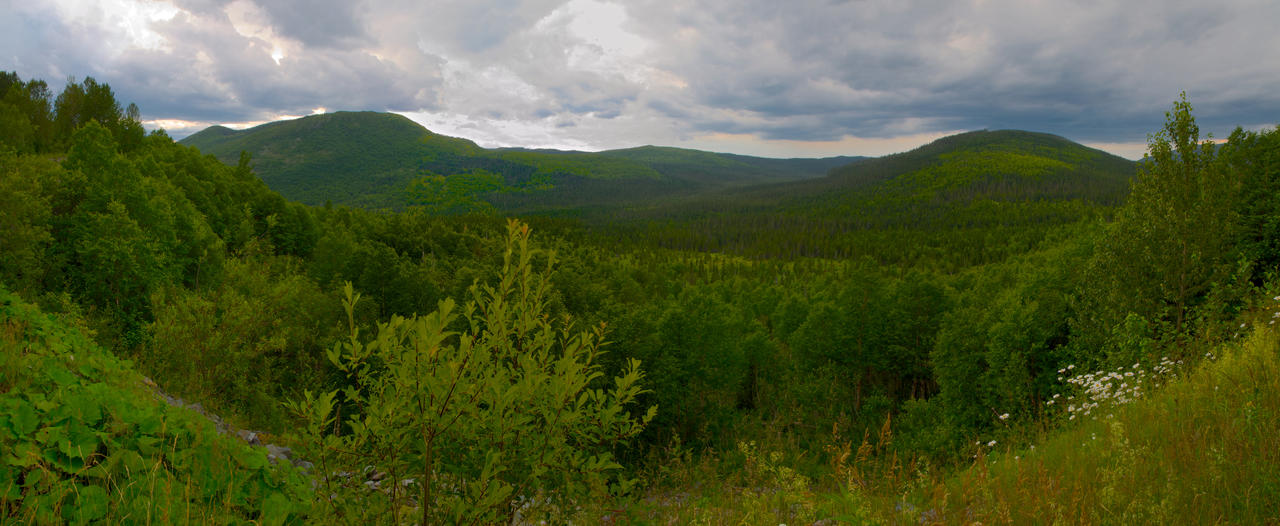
[370, 159]
[722, 167]
[927, 200]
[344, 157]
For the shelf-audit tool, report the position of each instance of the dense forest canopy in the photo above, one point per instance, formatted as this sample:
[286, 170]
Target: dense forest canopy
[925, 304]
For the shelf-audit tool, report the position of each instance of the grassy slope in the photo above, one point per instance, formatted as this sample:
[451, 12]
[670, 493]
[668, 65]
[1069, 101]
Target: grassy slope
[1201, 449]
[367, 159]
[82, 438]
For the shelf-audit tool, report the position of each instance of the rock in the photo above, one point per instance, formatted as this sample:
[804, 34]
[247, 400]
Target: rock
[279, 452]
[378, 475]
[249, 436]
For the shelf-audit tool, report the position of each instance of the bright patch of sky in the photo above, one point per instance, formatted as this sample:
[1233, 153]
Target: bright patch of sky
[128, 21]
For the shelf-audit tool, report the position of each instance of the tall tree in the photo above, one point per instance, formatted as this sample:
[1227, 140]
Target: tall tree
[1171, 240]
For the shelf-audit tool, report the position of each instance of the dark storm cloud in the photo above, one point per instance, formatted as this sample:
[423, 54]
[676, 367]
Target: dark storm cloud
[1094, 70]
[815, 70]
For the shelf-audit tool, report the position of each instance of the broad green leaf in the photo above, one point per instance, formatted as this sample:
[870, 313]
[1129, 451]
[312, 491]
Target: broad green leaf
[61, 376]
[24, 454]
[9, 488]
[91, 503]
[23, 421]
[276, 509]
[85, 407]
[252, 458]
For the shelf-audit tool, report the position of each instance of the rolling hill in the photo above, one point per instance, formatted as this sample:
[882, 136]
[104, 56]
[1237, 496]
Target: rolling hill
[370, 159]
[925, 200]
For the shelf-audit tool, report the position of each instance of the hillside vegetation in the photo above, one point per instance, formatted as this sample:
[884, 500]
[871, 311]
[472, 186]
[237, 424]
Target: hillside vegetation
[86, 441]
[743, 355]
[384, 160]
[975, 198]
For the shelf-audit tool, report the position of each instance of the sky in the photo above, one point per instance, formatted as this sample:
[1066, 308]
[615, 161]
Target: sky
[797, 78]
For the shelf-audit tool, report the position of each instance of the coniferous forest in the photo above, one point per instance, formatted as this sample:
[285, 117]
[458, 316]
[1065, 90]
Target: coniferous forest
[997, 327]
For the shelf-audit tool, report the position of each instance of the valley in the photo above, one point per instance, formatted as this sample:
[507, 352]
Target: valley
[999, 326]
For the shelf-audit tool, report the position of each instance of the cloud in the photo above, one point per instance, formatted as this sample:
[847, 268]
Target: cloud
[752, 75]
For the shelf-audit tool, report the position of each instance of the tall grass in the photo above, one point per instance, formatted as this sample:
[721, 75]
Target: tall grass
[1204, 449]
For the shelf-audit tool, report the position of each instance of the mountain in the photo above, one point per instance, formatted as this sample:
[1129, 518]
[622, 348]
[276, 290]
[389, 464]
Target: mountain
[371, 159]
[355, 158]
[711, 168]
[942, 196]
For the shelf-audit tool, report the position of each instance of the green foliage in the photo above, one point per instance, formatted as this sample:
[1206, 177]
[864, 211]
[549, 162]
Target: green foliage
[511, 408]
[1254, 158]
[25, 212]
[26, 118]
[455, 194]
[242, 346]
[1171, 241]
[997, 350]
[82, 440]
[90, 101]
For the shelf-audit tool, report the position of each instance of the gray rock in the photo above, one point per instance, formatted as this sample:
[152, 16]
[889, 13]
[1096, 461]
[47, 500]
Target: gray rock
[249, 436]
[279, 451]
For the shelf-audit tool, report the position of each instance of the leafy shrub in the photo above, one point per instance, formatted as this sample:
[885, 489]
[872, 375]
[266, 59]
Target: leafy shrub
[510, 410]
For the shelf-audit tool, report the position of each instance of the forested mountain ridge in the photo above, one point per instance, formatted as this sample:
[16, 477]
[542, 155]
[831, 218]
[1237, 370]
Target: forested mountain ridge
[723, 167]
[384, 160]
[1003, 165]
[946, 197]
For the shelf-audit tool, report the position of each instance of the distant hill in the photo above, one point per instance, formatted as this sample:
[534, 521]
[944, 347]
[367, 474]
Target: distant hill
[372, 159]
[712, 168]
[1021, 183]
[1008, 166]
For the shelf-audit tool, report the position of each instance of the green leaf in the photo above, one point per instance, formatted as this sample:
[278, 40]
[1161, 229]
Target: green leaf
[9, 488]
[252, 458]
[23, 455]
[91, 503]
[127, 462]
[85, 408]
[81, 442]
[276, 509]
[23, 421]
[61, 376]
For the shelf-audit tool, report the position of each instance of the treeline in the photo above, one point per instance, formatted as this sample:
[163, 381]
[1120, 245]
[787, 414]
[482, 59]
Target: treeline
[34, 121]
